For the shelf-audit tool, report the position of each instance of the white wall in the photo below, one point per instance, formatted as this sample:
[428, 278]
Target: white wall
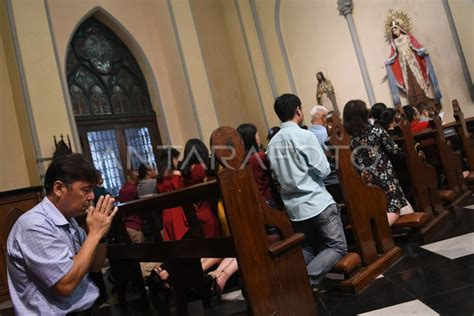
[316, 36]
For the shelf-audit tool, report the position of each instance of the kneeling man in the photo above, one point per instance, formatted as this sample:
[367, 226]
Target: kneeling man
[49, 255]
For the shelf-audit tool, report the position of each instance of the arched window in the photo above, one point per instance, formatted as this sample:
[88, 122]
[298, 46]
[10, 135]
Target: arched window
[111, 103]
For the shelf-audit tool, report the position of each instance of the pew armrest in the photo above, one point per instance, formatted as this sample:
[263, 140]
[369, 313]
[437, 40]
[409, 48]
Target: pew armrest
[347, 264]
[278, 247]
[470, 177]
[447, 195]
[416, 219]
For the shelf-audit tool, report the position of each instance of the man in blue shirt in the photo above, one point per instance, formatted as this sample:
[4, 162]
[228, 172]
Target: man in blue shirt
[318, 124]
[300, 165]
[49, 255]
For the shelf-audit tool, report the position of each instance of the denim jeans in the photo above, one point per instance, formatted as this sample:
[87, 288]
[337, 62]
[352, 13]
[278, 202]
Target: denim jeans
[324, 242]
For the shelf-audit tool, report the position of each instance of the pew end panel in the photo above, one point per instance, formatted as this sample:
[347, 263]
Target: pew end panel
[423, 185]
[271, 288]
[366, 207]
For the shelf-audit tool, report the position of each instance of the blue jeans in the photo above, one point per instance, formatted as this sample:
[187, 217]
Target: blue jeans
[324, 242]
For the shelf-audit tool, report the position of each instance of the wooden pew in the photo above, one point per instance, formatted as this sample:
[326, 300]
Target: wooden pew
[467, 139]
[274, 274]
[438, 152]
[366, 207]
[423, 179]
[12, 203]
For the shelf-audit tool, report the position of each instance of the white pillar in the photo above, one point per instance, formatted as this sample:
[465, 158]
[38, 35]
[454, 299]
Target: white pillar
[345, 9]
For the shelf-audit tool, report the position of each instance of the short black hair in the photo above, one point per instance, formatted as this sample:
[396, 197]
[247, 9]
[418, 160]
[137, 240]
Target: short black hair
[409, 112]
[272, 132]
[285, 106]
[195, 152]
[247, 132]
[165, 161]
[143, 170]
[69, 169]
[168, 152]
[377, 109]
[387, 117]
[355, 117]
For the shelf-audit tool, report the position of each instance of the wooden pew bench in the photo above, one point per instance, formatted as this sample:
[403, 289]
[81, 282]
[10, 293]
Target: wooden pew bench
[366, 207]
[264, 265]
[421, 184]
[441, 155]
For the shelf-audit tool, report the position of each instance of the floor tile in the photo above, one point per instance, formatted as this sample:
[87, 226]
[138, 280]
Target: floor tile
[413, 258]
[434, 279]
[462, 224]
[415, 307]
[466, 260]
[453, 248]
[321, 309]
[454, 303]
[381, 293]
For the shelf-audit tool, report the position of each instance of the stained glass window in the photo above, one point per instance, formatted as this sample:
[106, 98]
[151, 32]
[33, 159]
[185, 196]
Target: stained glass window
[111, 103]
[140, 148]
[106, 158]
[103, 76]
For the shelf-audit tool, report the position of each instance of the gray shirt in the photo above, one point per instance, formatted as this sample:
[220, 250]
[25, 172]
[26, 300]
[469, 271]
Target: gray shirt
[146, 186]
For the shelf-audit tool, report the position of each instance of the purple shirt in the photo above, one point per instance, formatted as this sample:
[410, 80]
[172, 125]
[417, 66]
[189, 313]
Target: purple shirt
[40, 248]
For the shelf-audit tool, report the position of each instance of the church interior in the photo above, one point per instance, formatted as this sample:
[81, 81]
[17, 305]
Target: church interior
[124, 82]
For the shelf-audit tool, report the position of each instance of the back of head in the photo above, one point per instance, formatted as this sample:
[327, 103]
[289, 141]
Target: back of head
[165, 161]
[285, 106]
[424, 109]
[248, 132]
[195, 152]
[409, 112]
[355, 117]
[318, 112]
[387, 118]
[169, 153]
[142, 171]
[377, 109]
[69, 169]
[272, 132]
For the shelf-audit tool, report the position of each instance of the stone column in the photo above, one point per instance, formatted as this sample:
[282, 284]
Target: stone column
[345, 9]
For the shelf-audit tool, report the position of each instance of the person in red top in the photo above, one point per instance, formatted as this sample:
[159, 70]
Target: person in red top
[175, 225]
[413, 116]
[195, 169]
[258, 160]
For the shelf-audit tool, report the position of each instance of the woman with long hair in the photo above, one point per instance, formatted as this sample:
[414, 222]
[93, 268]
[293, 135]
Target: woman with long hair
[258, 160]
[371, 145]
[196, 168]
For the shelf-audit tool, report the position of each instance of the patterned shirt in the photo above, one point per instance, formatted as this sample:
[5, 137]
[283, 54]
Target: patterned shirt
[300, 165]
[40, 248]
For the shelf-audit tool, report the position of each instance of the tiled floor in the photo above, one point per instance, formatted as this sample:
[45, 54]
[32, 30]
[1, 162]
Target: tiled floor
[436, 278]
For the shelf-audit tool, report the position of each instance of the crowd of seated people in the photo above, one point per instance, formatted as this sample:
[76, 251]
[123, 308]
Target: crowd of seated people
[296, 158]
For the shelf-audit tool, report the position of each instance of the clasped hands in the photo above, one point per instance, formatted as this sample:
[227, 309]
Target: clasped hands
[99, 218]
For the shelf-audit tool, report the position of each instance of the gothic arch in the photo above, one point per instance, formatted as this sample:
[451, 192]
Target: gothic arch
[110, 100]
[128, 39]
